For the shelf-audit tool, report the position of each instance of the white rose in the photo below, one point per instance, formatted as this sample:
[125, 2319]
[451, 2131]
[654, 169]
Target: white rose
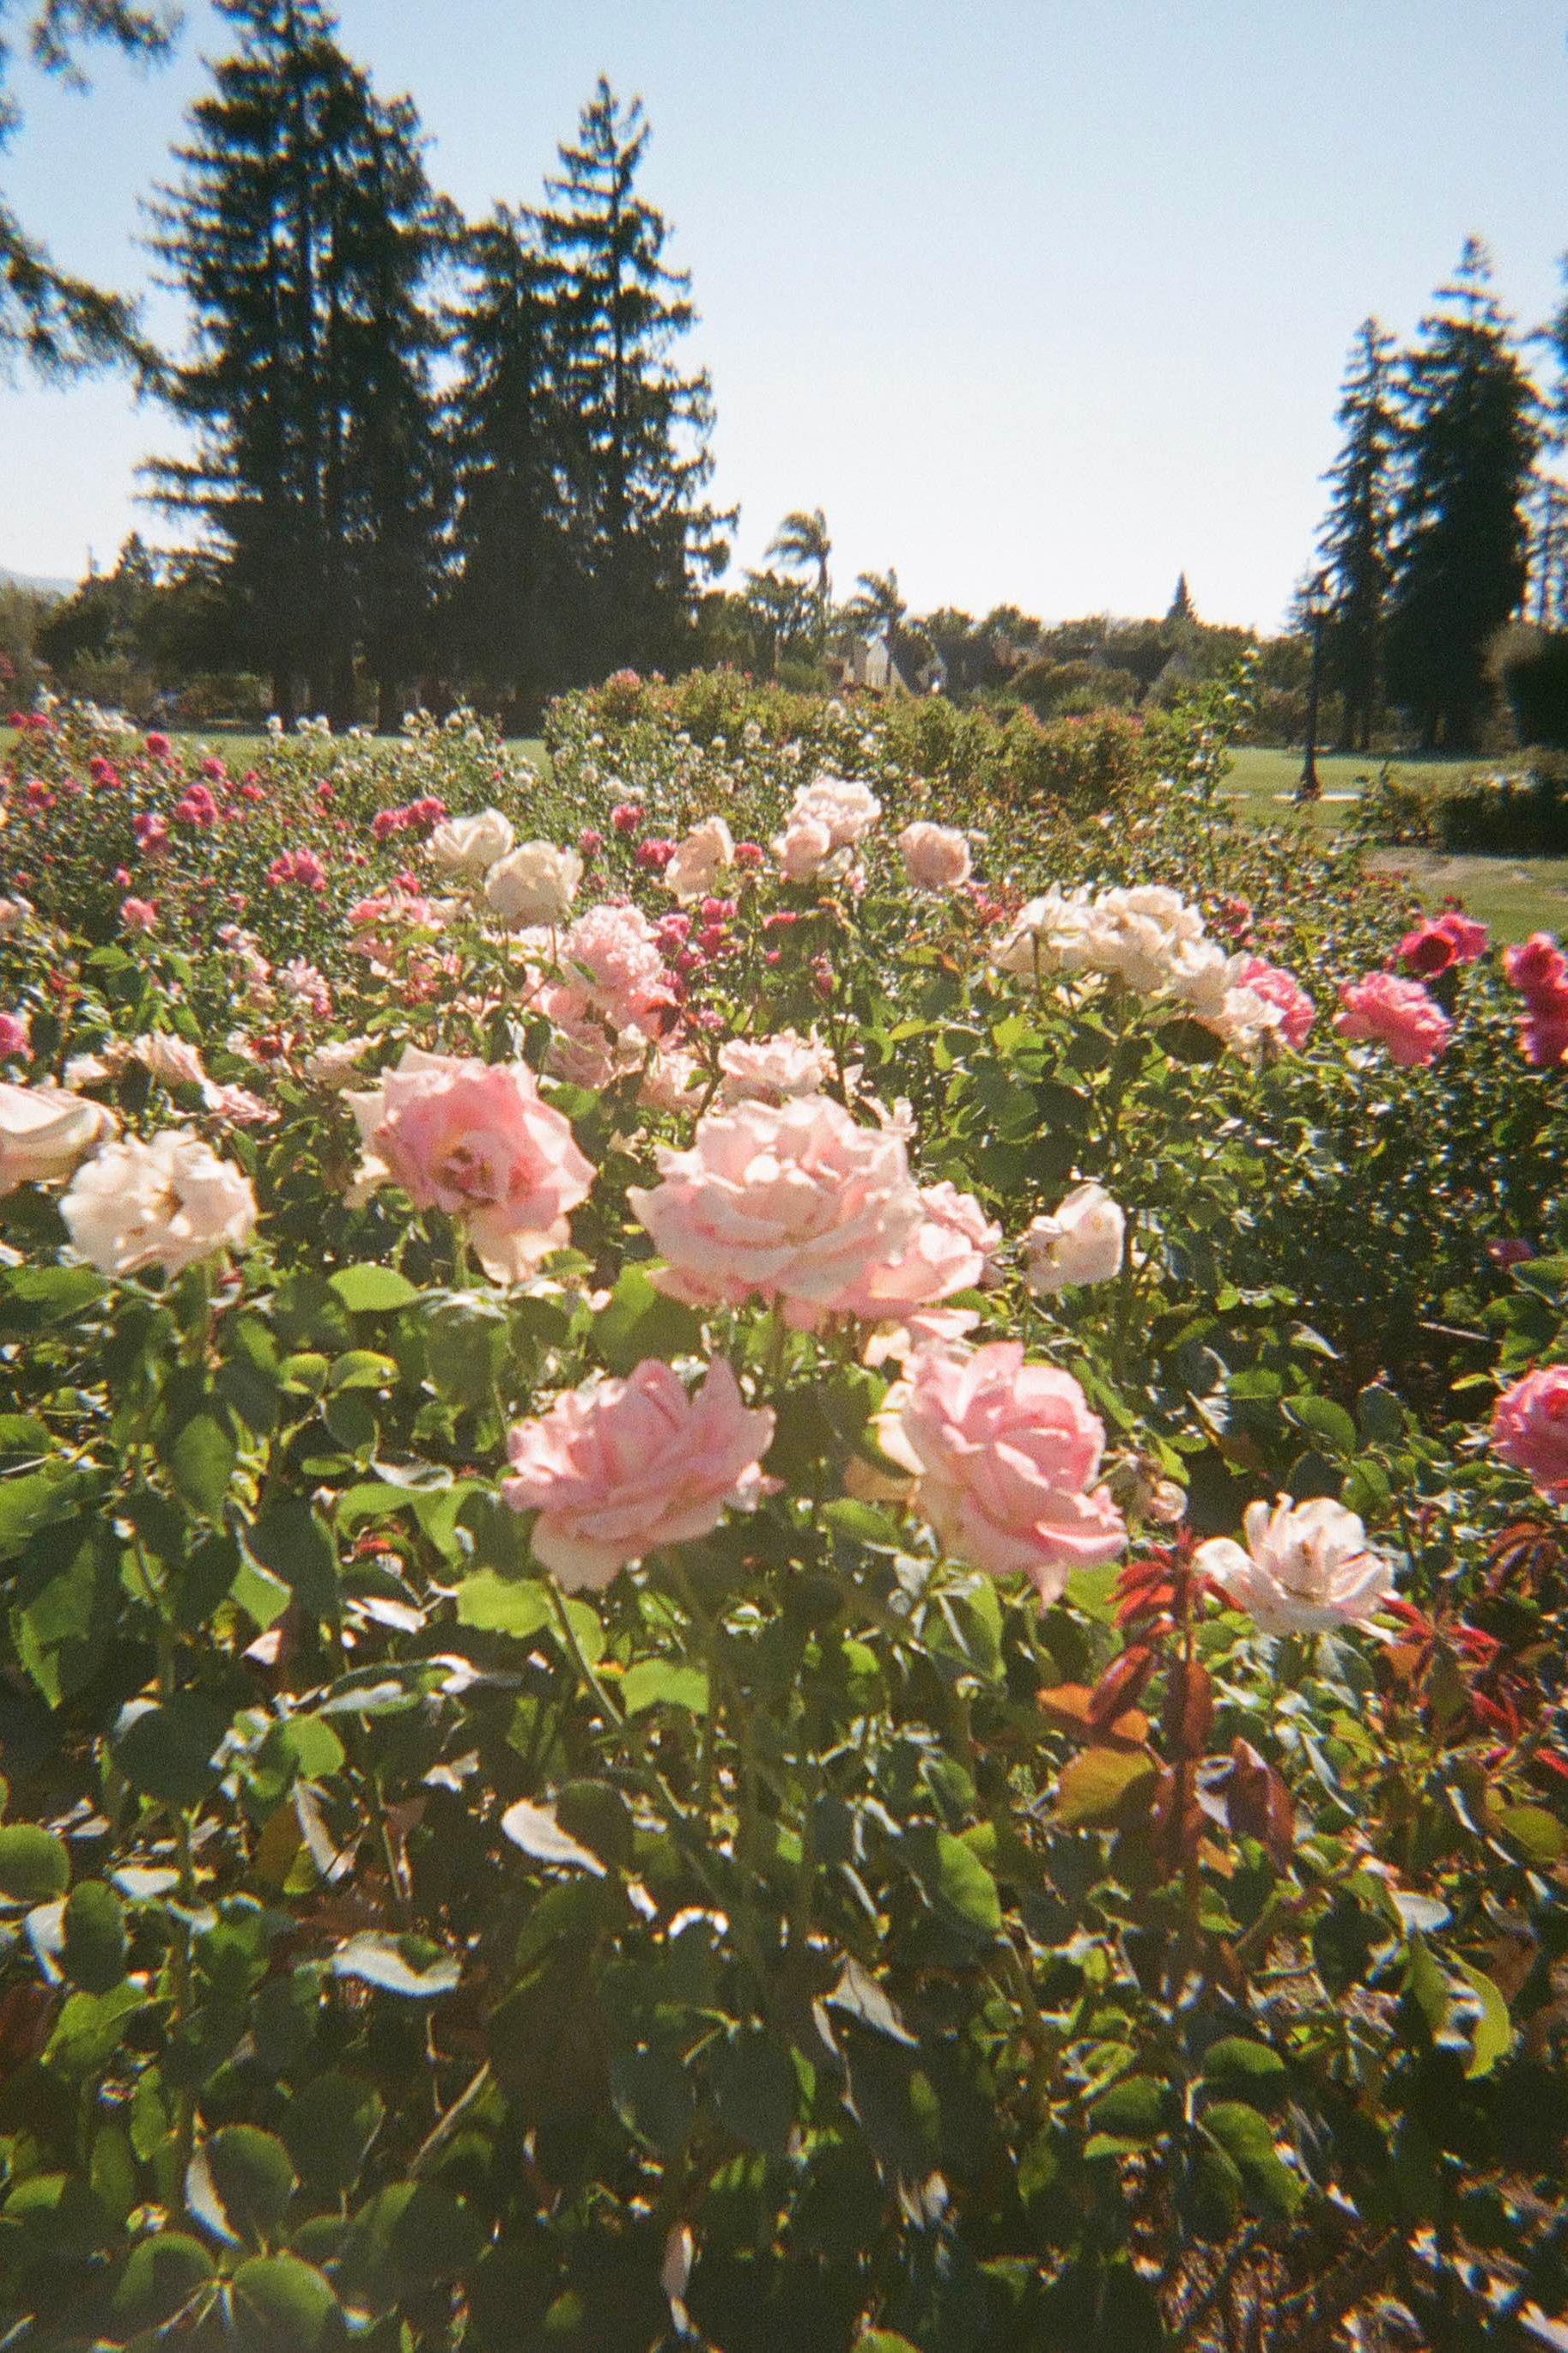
[1051, 932]
[1082, 1243]
[167, 1203]
[471, 844]
[1306, 1566]
[700, 860]
[14, 913]
[535, 884]
[45, 1131]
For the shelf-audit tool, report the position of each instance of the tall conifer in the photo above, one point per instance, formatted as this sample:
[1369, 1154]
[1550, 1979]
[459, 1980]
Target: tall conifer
[1356, 543]
[1461, 534]
[637, 461]
[302, 230]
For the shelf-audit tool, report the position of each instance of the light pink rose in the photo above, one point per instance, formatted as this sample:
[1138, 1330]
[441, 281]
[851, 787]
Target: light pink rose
[936, 857]
[1398, 1014]
[617, 1468]
[1529, 1429]
[473, 1138]
[1280, 988]
[802, 849]
[947, 1251]
[772, 1070]
[699, 861]
[1008, 1452]
[847, 811]
[611, 965]
[792, 1202]
[1306, 1566]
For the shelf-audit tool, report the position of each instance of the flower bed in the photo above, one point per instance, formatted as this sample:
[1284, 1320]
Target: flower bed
[783, 1554]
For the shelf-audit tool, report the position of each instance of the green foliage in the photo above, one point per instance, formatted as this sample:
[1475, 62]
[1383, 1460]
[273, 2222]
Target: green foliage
[801, 1937]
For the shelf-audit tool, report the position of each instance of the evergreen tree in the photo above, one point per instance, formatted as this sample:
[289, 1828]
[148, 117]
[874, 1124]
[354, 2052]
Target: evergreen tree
[1182, 605]
[1355, 541]
[510, 438]
[638, 460]
[1461, 534]
[302, 232]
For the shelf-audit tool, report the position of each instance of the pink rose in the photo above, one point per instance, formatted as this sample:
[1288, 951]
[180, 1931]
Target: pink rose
[1398, 1014]
[1281, 990]
[1536, 965]
[792, 1202]
[611, 965]
[1540, 971]
[947, 1251]
[616, 1469]
[1529, 1429]
[1440, 942]
[1007, 1453]
[473, 1138]
[137, 915]
[14, 1037]
[802, 847]
[936, 857]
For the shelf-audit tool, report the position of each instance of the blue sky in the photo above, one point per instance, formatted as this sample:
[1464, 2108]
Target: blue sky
[1042, 300]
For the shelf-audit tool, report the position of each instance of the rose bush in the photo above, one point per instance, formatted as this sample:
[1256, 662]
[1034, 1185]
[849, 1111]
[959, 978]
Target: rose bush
[927, 1711]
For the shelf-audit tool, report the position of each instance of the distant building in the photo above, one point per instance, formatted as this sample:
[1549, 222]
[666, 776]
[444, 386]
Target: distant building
[872, 664]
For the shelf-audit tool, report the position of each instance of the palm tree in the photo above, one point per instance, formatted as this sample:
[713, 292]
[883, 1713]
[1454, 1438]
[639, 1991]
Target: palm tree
[800, 541]
[880, 609]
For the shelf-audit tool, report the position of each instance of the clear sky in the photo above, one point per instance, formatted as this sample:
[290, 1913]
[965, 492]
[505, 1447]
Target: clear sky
[1042, 300]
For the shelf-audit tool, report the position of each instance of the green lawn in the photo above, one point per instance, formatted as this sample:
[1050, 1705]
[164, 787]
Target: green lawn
[1514, 895]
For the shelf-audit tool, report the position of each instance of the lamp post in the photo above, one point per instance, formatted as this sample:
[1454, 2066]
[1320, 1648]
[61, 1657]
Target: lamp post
[1315, 607]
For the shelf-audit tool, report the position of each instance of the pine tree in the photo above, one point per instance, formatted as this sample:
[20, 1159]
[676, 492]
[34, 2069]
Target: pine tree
[1471, 416]
[639, 458]
[1356, 543]
[510, 438]
[302, 232]
[1182, 605]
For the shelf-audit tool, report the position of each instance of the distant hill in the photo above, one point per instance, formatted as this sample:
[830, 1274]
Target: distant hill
[32, 580]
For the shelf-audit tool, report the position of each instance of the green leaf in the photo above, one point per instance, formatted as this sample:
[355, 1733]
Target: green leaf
[536, 1831]
[200, 1459]
[34, 1865]
[294, 1546]
[160, 2276]
[401, 1965]
[90, 2028]
[1134, 2112]
[1540, 1834]
[165, 1747]
[1247, 2070]
[755, 2090]
[239, 2182]
[1247, 2139]
[280, 2305]
[362, 1368]
[1325, 1419]
[883, 2340]
[328, 2127]
[1492, 2033]
[1380, 1415]
[1096, 1783]
[638, 1321]
[302, 1748]
[372, 1290]
[504, 1605]
[95, 1939]
[659, 1682]
[956, 1879]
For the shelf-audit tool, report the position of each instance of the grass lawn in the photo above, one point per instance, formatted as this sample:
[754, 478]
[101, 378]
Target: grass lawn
[1514, 895]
